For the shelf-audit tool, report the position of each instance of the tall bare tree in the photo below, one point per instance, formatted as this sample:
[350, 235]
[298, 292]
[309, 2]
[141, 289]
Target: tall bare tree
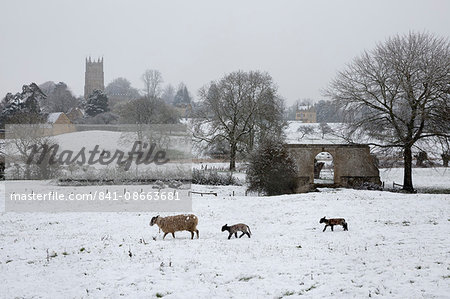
[145, 111]
[398, 93]
[239, 108]
[168, 94]
[152, 83]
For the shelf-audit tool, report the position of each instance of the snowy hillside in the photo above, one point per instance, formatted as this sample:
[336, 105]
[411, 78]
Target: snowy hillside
[295, 135]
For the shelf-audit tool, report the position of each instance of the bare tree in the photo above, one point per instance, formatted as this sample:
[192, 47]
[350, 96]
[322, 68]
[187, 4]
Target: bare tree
[325, 129]
[147, 111]
[168, 94]
[305, 131]
[152, 83]
[398, 93]
[239, 108]
[24, 149]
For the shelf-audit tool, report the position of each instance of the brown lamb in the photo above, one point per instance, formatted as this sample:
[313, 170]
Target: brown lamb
[172, 224]
[334, 221]
[244, 228]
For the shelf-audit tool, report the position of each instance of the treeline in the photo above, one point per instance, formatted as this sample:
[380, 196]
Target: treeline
[120, 102]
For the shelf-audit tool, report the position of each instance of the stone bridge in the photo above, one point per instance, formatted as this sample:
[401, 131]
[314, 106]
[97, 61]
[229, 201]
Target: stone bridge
[353, 164]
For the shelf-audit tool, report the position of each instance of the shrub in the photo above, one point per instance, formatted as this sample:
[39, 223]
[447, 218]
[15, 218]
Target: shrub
[272, 170]
[212, 177]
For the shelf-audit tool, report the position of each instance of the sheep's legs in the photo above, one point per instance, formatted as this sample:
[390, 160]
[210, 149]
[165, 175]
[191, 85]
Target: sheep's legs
[192, 235]
[325, 227]
[345, 226]
[229, 236]
[242, 235]
[173, 235]
[165, 234]
[332, 228]
[196, 232]
[248, 234]
[235, 235]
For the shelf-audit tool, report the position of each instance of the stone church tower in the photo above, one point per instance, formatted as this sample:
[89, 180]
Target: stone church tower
[93, 77]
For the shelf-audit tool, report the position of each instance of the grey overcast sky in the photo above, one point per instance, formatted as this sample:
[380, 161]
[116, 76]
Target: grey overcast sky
[300, 43]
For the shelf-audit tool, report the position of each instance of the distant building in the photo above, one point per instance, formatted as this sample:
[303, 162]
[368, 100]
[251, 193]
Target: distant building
[93, 77]
[58, 123]
[58, 118]
[75, 114]
[184, 110]
[306, 114]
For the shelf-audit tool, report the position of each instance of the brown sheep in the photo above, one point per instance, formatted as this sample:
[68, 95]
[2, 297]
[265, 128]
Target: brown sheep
[332, 222]
[244, 228]
[172, 224]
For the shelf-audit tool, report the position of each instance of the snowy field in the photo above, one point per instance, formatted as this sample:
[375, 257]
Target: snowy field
[423, 178]
[397, 246]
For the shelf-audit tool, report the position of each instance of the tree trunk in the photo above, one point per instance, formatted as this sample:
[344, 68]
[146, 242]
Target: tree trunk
[407, 176]
[317, 168]
[445, 159]
[233, 157]
[251, 140]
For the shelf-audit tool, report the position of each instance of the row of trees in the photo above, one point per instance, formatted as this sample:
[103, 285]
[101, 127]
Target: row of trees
[113, 105]
[121, 89]
[32, 105]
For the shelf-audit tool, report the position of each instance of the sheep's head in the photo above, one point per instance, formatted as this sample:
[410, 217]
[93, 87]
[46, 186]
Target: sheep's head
[153, 221]
[225, 227]
[323, 220]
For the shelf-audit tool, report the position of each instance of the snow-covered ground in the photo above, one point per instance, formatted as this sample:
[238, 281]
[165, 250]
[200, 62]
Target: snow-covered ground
[315, 137]
[397, 246]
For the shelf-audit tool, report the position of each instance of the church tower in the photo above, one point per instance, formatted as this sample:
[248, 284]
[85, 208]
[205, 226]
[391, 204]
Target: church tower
[93, 77]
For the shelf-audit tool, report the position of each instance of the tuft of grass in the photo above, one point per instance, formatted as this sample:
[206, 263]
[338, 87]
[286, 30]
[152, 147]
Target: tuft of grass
[82, 249]
[246, 278]
[288, 293]
[65, 253]
[159, 295]
[298, 246]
